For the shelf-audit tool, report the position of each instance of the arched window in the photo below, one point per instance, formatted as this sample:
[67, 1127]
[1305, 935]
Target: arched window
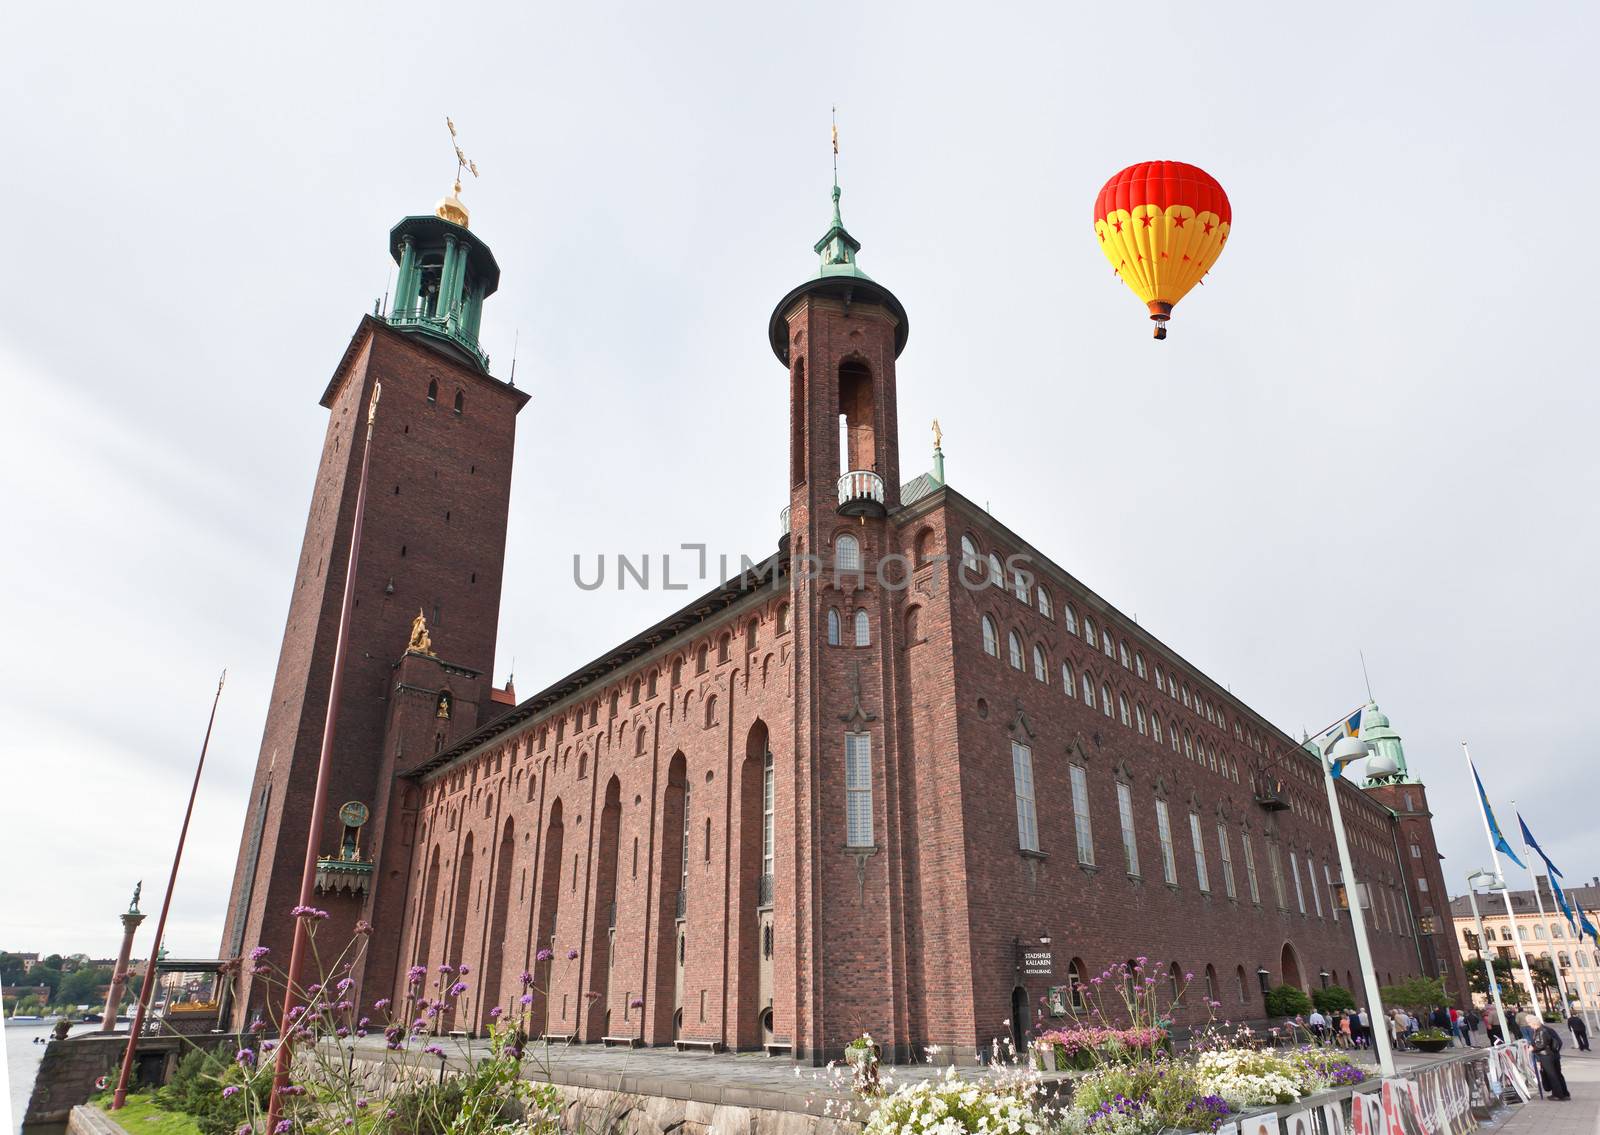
[750, 635]
[1538, 931]
[1044, 603]
[1088, 632]
[722, 648]
[1175, 981]
[460, 403]
[1139, 718]
[1015, 645]
[995, 576]
[1188, 745]
[1566, 962]
[1138, 664]
[1088, 690]
[1161, 679]
[677, 672]
[1075, 986]
[847, 553]
[1211, 983]
[1122, 709]
[1105, 699]
[1155, 727]
[1071, 614]
[1556, 931]
[1122, 654]
[1108, 644]
[650, 685]
[1040, 670]
[783, 619]
[863, 628]
[711, 710]
[1186, 702]
[639, 741]
[1244, 986]
[833, 626]
[433, 392]
[969, 555]
[1019, 586]
[701, 657]
[991, 638]
[1068, 684]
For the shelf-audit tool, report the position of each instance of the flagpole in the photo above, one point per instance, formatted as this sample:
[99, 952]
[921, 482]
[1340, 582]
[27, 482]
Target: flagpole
[1555, 953]
[119, 1095]
[1488, 966]
[1505, 893]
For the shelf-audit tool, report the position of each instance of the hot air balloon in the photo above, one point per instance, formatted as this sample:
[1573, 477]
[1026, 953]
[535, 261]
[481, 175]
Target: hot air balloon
[1162, 225]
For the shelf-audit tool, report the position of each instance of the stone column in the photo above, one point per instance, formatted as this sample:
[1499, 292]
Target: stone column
[119, 976]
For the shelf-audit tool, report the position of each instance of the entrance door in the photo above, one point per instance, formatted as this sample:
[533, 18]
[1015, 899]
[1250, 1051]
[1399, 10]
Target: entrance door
[1019, 1020]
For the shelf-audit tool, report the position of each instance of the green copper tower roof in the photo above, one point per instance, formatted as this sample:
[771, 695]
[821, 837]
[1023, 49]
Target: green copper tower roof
[840, 277]
[1375, 730]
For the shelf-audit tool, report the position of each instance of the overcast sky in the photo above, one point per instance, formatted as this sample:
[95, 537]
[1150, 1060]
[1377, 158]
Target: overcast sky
[1370, 430]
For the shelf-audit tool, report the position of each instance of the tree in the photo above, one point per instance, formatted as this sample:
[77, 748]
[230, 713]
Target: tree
[12, 969]
[1477, 975]
[82, 986]
[1333, 999]
[1419, 994]
[1286, 1001]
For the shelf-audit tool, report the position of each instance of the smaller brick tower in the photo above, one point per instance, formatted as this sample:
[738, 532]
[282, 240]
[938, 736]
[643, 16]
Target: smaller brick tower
[426, 605]
[1420, 861]
[839, 334]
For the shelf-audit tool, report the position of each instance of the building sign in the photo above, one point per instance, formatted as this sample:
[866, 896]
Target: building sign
[1038, 963]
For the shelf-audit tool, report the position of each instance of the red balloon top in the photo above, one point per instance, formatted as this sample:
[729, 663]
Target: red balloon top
[1163, 184]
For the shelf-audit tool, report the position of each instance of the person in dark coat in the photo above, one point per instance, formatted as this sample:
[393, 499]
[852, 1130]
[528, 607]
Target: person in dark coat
[1547, 1053]
[1580, 1030]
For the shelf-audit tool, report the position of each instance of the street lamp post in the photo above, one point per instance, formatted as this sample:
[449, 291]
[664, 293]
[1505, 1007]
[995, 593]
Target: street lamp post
[1488, 961]
[1345, 750]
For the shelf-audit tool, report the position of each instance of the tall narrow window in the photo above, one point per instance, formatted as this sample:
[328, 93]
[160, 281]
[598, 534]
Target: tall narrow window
[995, 576]
[1022, 779]
[1333, 902]
[1299, 891]
[1014, 645]
[768, 812]
[460, 403]
[1068, 683]
[1088, 632]
[991, 638]
[858, 789]
[1088, 690]
[1140, 720]
[1227, 862]
[1138, 664]
[1105, 699]
[1250, 869]
[1040, 670]
[1071, 614]
[1019, 586]
[1108, 644]
[863, 628]
[1199, 852]
[833, 626]
[847, 553]
[1044, 602]
[1130, 844]
[1122, 709]
[969, 555]
[1080, 815]
[1169, 861]
[1275, 864]
[683, 878]
[1122, 655]
[1316, 896]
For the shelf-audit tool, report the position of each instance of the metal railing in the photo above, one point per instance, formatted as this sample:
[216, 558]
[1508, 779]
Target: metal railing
[445, 326]
[860, 485]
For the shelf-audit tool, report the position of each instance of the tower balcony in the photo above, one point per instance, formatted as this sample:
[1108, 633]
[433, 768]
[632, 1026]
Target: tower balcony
[454, 328]
[861, 494]
[1269, 792]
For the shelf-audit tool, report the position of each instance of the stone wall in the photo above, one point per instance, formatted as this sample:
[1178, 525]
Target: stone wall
[70, 1068]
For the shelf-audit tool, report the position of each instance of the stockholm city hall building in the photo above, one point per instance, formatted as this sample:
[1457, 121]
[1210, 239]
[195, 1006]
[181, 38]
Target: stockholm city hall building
[907, 776]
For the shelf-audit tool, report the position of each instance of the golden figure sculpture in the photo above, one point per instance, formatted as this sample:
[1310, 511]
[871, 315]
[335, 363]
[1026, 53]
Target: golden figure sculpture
[421, 641]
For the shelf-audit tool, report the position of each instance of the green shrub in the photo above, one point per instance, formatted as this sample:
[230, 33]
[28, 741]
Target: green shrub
[1286, 1001]
[1334, 999]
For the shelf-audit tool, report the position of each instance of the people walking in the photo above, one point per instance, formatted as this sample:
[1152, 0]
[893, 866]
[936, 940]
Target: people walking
[1365, 1024]
[1470, 1022]
[1580, 1030]
[1547, 1053]
[1319, 1026]
[1345, 1036]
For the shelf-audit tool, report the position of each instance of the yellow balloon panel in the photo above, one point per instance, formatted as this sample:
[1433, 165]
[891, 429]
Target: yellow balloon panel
[1161, 253]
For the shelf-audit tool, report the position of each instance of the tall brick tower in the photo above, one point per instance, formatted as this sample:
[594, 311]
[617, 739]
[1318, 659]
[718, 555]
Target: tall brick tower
[433, 546]
[836, 899]
[1420, 861]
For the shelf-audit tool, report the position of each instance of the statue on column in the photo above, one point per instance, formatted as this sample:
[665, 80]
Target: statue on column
[421, 641]
[133, 907]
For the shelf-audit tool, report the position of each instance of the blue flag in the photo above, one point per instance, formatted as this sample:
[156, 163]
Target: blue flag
[1349, 727]
[1494, 828]
[1587, 927]
[1561, 901]
[1527, 838]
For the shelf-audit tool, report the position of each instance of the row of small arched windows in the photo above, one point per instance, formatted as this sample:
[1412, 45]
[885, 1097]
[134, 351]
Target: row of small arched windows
[861, 627]
[1033, 594]
[433, 397]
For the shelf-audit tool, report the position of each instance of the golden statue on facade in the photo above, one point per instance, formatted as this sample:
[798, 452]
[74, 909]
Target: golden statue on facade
[421, 641]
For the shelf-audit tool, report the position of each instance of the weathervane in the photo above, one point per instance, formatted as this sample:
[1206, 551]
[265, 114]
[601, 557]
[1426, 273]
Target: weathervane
[462, 161]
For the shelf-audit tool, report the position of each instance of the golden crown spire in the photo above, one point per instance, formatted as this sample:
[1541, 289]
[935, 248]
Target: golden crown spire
[450, 208]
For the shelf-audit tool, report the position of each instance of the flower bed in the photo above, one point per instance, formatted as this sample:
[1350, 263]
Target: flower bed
[1085, 1046]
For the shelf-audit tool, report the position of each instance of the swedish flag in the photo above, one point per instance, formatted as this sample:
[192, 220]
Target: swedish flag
[1495, 837]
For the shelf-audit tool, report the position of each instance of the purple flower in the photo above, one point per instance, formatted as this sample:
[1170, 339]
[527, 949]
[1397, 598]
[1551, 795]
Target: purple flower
[296, 1011]
[308, 912]
[494, 1013]
[284, 1127]
[526, 999]
[463, 971]
[434, 1050]
[364, 1022]
[543, 955]
[230, 1091]
[259, 952]
[257, 1025]
[380, 1004]
[636, 1003]
[446, 969]
[572, 954]
[363, 927]
[526, 978]
[361, 1102]
[458, 989]
[314, 988]
[416, 974]
[341, 1032]
[391, 1114]
[245, 1057]
[344, 983]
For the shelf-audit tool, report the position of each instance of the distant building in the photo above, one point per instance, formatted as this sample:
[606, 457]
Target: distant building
[908, 776]
[1549, 937]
